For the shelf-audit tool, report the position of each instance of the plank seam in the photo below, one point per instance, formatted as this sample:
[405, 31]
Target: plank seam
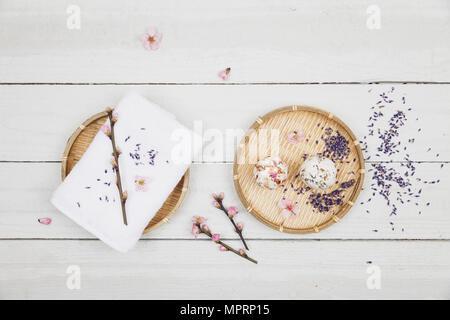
[232, 239]
[231, 162]
[379, 82]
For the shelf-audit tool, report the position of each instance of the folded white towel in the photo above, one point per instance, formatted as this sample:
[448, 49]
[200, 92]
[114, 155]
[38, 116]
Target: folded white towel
[156, 152]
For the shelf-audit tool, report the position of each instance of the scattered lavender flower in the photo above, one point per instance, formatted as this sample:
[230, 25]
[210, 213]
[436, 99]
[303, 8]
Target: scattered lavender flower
[394, 185]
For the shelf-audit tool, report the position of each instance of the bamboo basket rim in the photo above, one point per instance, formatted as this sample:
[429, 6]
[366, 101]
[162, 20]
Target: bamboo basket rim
[334, 218]
[64, 172]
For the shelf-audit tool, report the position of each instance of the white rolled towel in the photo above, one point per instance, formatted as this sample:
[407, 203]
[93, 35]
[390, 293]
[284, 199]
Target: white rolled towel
[156, 151]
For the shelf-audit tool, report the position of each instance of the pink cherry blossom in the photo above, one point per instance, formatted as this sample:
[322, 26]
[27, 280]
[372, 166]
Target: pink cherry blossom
[289, 209]
[222, 248]
[195, 231]
[242, 252]
[224, 74]
[240, 226]
[215, 237]
[295, 137]
[216, 204]
[151, 39]
[106, 129]
[198, 220]
[232, 212]
[45, 220]
[141, 183]
[204, 227]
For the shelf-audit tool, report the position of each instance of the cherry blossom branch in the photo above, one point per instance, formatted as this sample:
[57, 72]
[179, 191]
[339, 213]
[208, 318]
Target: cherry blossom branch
[230, 213]
[199, 226]
[115, 161]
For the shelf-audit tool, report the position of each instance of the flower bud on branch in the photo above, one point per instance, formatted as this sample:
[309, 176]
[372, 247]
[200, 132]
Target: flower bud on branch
[215, 237]
[231, 213]
[113, 163]
[109, 131]
[199, 226]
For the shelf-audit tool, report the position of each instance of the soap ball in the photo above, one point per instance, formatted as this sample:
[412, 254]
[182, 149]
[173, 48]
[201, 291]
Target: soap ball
[318, 172]
[270, 172]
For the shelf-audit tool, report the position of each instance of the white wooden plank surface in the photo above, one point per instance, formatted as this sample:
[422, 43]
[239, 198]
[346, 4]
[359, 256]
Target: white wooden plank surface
[273, 48]
[197, 269]
[36, 121]
[26, 198]
[262, 41]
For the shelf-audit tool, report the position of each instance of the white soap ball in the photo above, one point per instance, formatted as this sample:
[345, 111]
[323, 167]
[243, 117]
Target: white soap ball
[270, 172]
[318, 172]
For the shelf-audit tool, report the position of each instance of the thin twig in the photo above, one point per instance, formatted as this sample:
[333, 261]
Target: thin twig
[116, 158]
[208, 233]
[239, 232]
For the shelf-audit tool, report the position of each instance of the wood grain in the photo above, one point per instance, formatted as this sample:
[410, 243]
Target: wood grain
[280, 53]
[262, 41]
[28, 130]
[174, 270]
[26, 198]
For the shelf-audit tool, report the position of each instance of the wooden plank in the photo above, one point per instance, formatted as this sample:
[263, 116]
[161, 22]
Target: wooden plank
[262, 41]
[25, 198]
[37, 120]
[198, 270]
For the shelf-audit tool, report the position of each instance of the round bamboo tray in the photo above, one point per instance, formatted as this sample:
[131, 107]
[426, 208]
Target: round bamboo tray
[78, 143]
[263, 203]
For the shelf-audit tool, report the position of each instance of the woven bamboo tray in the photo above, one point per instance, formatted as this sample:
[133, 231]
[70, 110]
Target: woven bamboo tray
[263, 203]
[78, 143]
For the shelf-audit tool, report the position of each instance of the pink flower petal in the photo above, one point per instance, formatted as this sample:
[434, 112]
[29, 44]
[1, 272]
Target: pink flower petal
[152, 39]
[290, 137]
[154, 46]
[215, 237]
[284, 203]
[146, 44]
[106, 129]
[295, 137]
[224, 74]
[195, 231]
[152, 31]
[216, 204]
[45, 220]
[286, 213]
[232, 211]
[157, 37]
[141, 183]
